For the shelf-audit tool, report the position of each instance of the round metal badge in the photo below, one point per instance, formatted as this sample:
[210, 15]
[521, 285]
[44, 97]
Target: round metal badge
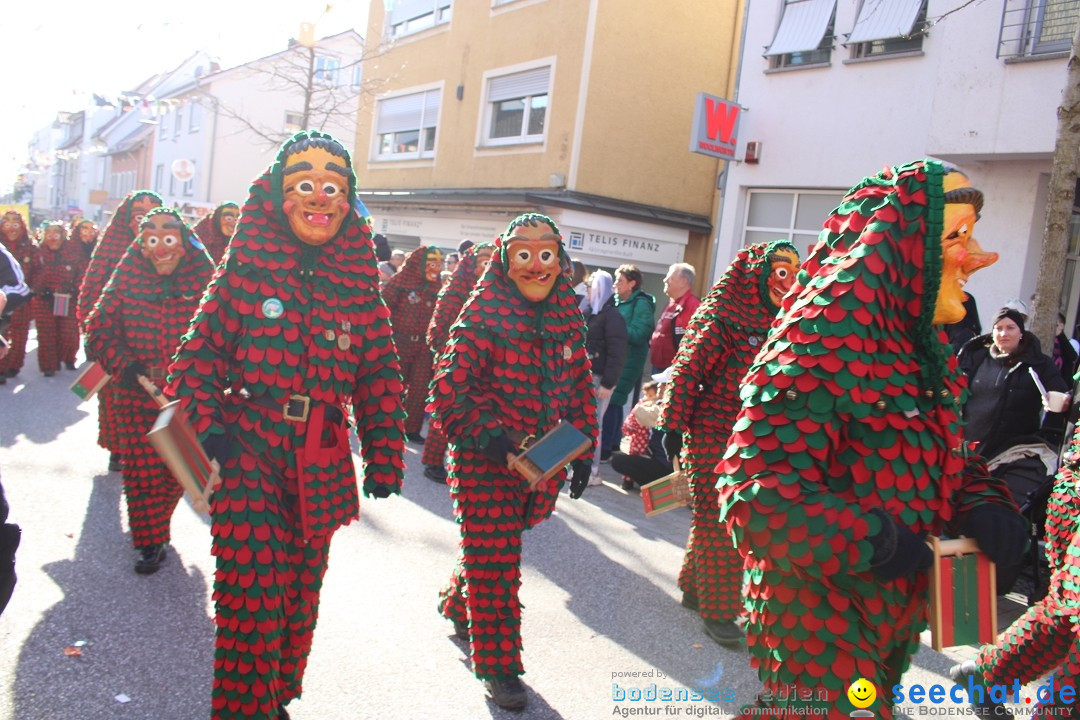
[343, 342]
[272, 308]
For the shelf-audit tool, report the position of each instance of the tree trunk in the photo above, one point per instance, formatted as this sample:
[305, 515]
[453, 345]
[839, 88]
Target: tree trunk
[1059, 206]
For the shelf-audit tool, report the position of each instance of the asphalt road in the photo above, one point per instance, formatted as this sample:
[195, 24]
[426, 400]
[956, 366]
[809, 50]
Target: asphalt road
[601, 603]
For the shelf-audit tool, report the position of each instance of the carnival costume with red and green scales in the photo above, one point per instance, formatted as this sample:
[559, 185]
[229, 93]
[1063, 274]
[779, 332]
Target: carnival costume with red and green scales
[210, 234]
[22, 248]
[520, 365]
[140, 318]
[59, 271]
[722, 339]
[447, 308]
[112, 245]
[852, 405]
[282, 317]
[411, 300]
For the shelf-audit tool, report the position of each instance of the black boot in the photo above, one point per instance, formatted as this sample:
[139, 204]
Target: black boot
[507, 691]
[150, 559]
[114, 462]
[435, 473]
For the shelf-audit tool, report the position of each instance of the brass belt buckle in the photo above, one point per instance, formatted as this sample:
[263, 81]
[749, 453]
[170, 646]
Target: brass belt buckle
[296, 408]
[157, 372]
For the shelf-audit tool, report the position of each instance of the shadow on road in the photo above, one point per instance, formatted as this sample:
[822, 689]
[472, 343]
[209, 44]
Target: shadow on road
[141, 633]
[23, 398]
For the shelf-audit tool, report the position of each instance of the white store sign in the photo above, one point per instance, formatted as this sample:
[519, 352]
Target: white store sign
[442, 231]
[630, 248]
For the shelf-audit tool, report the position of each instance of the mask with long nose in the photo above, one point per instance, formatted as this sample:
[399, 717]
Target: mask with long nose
[960, 252]
[316, 189]
[532, 254]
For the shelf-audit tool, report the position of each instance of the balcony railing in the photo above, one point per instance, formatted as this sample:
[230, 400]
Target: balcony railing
[1030, 28]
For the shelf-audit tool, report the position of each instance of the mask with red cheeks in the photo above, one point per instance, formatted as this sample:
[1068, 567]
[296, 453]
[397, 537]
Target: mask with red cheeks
[54, 237]
[229, 216]
[139, 207]
[87, 233]
[782, 267]
[433, 263]
[532, 254]
[316, 194]
[961, 254]
[483, 257]
[162, 241]
[12, 225]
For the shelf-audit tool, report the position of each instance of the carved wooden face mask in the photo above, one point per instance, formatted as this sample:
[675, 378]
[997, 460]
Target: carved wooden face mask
[532, 254]
[433, 265]
[960, 252]
[54, 237]
[162, 242]
[783, 264]
[316, 189]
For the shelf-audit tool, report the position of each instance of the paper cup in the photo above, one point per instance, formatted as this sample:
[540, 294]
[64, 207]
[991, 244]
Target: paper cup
[1057, 401]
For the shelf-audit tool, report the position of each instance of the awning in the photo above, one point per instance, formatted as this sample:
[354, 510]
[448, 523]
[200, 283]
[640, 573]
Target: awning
[881, 19]
[802, 26]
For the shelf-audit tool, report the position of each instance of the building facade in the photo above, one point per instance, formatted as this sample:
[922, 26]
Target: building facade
[578, 109]
[835, 89]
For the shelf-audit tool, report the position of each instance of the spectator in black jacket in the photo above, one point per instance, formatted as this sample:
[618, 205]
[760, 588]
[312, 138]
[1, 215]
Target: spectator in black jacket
[1065, 355]
[606, 343]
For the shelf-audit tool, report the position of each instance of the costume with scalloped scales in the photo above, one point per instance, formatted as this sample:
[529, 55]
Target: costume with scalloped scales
[411, 299]
[721, 340]
[447, 308]
[283, 317]
[22, 248]
[140, 318]
[520, 365]
[59, 271]
[852, 405]
[211, 234]
[110, 248]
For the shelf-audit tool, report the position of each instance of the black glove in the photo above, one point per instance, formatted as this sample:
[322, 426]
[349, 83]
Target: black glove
[498, 447]
[579, 480]
[218, 446]
[379, 491]
[672, 445]
[46, 294]
[897, 550]
[132, 372]
[1001, 533]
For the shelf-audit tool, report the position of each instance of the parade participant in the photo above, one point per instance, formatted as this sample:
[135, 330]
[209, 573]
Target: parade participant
[215, 229]
[448, 305]
[134, 330]
[118, 235]
[849, 447]
[410, 295]
[514, 365]
[721, 340]
[294, 326]
[61, 263]
[13, 293]
[16, 239]
[669, 329]
[85, 232]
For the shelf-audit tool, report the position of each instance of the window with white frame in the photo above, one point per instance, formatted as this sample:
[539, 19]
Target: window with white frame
[411, 16]
[188, 188]
[405, 126]
[172, 184]
[358, 75]
[294, 121]
[516, 109]
[178, 120]
[159, 178]
[805, 34]
[194, 116]
[326, 69]
[794, 215]
[162, 125]
[888, 27]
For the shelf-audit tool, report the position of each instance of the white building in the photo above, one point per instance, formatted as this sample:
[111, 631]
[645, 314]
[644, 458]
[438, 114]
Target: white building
[835, 89]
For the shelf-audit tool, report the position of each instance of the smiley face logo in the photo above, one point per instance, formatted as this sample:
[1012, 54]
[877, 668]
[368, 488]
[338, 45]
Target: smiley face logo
[862, 693]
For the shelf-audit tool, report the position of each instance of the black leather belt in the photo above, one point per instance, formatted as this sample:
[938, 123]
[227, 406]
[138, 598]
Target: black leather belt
[297, 408]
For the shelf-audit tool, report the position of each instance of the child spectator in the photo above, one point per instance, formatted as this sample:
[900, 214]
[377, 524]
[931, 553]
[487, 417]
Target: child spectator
[643, 460]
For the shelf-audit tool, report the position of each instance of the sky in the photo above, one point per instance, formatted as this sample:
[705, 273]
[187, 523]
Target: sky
[57, 53]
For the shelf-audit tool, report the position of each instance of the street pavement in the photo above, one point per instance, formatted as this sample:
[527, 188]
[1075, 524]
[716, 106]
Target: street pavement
[85, 638]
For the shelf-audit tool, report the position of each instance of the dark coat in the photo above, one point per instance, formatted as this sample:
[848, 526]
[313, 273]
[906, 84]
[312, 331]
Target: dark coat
[1019, 409]
[606, 343]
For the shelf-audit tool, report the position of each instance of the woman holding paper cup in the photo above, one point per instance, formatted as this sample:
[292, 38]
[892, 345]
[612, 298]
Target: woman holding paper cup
[1008, 378]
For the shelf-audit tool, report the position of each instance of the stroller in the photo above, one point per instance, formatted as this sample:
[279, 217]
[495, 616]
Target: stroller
[1028, 467]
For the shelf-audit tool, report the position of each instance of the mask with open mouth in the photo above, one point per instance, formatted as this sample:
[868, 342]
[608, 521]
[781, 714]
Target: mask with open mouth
[161, 238]
[532, 253]
[316, 194]
[433, 265]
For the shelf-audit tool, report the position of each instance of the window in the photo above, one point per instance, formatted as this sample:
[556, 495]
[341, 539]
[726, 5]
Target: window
[412, 16]
[888, 27]
[194, 116]
[294, 122]
[188, 188]
[405, 126]
[159, 178]
[358, 75]
[162, 125]
[178, 119]
[172, 184]
[1030, 28]
[517, 107]
[805, 34]
[326, 69]
[794, 215]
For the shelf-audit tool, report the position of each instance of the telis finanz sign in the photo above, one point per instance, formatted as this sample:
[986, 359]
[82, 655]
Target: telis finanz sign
[716, 126]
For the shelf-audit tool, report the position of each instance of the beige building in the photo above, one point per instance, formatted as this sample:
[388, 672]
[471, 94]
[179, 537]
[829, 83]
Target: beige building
[580, 109]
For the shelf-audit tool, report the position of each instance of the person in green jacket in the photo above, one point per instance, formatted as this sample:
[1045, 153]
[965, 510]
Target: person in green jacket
[638, 309]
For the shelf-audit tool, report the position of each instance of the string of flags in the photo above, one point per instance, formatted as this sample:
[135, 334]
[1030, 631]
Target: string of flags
[131, 101]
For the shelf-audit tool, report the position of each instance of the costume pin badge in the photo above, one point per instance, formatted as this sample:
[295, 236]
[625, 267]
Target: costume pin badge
[343, 342]
[272, 308]
[414, 297]
[567, 353]
[329, 334]
[753, 340]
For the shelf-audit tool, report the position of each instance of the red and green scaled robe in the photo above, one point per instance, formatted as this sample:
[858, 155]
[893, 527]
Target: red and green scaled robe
[721, 340]
[520, 365]
[447, 307]
[23, 250]
[140, 317]
[112, 245]
[281, 318]
[852, 405]
[411, 299]
[59, 271]
[208, 230]
[1046, 638]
